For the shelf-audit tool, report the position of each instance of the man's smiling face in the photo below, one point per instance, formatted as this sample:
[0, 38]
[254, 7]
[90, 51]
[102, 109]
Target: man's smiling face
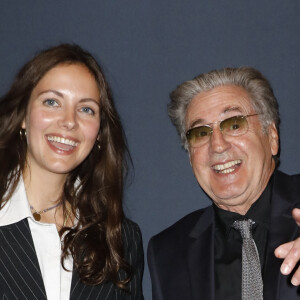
[232, 170]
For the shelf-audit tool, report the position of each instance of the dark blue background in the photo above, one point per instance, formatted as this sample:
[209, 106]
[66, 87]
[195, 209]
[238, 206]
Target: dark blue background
[146, 49]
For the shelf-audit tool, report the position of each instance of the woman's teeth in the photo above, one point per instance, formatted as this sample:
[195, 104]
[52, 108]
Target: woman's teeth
[61, 140]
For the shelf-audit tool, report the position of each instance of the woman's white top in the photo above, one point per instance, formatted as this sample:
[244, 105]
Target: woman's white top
[47, 244]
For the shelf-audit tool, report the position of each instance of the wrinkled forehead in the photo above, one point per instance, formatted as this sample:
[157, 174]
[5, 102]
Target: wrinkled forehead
[218, 103]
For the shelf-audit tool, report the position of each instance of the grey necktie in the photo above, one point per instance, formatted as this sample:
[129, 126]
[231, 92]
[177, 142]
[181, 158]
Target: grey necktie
[252, 285]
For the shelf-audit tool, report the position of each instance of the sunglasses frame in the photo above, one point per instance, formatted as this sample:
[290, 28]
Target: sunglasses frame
[209, 125]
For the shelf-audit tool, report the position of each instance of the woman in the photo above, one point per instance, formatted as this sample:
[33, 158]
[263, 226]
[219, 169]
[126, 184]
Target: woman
[63, 233]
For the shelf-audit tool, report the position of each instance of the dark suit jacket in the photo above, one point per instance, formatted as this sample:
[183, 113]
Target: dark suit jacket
[20, 275]
[181, 258]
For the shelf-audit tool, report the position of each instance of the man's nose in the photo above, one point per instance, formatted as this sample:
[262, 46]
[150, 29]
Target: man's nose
[218, 141]
[68, 119]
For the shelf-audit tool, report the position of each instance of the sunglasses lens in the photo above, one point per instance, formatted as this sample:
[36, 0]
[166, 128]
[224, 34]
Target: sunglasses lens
[198, 136]
[234, 126]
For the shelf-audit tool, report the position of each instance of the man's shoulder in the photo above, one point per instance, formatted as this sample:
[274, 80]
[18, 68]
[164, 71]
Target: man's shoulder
[286, 190]
[288, 183]
[281, 176]
[181, 229]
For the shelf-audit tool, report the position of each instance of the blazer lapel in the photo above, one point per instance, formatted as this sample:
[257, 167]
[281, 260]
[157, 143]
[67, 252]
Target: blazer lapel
[200, 256]
[19, 268]
[283, 228]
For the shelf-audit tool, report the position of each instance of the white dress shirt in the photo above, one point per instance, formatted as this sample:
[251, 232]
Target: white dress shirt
[47, 244]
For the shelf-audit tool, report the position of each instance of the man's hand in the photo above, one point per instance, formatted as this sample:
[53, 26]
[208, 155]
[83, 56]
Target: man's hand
[290, 252]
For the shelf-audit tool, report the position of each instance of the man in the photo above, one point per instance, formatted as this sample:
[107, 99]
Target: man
[228, 122]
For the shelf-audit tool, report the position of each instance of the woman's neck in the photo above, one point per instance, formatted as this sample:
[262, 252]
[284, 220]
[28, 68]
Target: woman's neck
[43, 190]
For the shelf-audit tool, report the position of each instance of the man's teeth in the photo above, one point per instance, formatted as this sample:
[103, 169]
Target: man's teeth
[226, 171]
[62, 140]
[227, 167]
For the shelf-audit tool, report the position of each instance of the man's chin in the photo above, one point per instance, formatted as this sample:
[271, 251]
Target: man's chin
[229, 201]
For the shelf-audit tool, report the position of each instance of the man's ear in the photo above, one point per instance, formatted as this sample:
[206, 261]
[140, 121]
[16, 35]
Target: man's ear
[273, 139]
[190, 158]
[189, 154]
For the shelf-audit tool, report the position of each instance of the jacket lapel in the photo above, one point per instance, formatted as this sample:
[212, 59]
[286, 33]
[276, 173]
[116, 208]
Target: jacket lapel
[200, 257]
[283, 228]
[19, 268]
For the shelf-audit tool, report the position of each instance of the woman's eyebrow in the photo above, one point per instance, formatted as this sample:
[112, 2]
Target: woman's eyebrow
[89, 100]
[52, 91]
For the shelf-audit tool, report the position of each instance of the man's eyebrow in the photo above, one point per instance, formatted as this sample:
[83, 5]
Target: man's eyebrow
[226, 110]
[230, 109]
[196, 122]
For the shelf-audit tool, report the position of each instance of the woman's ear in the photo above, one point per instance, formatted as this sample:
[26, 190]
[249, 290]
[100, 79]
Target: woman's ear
[23, 126]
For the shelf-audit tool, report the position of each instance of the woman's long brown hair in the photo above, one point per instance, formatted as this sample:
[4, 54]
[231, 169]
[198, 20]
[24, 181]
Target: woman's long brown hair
[96, 198]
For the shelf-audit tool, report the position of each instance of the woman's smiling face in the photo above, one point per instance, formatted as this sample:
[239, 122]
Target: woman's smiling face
[62, 120]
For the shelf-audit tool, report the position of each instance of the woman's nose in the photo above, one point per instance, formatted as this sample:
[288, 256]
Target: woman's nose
[68, 120]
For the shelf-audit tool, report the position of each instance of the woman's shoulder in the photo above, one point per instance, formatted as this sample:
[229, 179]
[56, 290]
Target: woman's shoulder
[130, 228]
[131, 234]
[134, 256]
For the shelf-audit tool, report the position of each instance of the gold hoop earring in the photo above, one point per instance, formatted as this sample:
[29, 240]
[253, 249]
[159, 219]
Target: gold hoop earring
[22, 133]
[98, 144]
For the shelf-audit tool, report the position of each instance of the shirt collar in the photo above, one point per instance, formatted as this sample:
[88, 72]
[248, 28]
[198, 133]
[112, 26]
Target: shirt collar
[259, 212]
[17, 207]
